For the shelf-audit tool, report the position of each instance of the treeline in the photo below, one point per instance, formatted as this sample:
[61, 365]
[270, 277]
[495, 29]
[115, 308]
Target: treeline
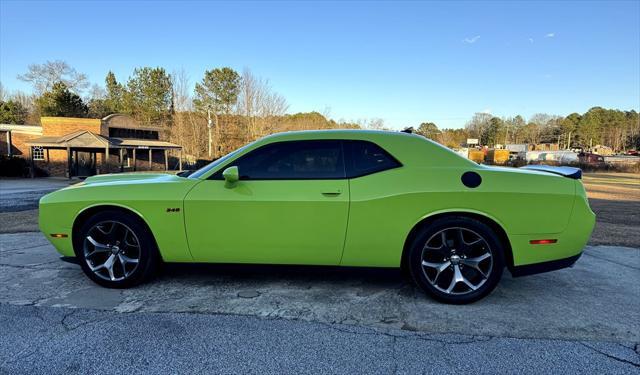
[237, 107]
[240, 107]
[617, 129]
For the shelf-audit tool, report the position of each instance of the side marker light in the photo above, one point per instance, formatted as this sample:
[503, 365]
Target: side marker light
[543, 242]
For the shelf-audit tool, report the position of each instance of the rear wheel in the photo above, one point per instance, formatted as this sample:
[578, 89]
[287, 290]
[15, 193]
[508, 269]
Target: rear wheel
[116, 250]
[456, 260]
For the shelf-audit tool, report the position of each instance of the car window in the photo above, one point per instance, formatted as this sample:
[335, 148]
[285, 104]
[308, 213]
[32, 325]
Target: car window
[294, 160]
[197, 174]
[366, 158]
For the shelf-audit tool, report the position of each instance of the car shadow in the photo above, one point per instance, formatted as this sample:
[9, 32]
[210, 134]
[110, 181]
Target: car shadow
[283, 273]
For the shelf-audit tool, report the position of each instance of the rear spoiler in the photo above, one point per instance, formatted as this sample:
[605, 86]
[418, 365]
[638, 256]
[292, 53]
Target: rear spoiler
[570, 172]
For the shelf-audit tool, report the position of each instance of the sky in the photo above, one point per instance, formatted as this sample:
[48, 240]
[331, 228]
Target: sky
[403, 62]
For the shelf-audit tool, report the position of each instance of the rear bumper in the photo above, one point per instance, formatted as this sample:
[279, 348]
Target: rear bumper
[532, 269]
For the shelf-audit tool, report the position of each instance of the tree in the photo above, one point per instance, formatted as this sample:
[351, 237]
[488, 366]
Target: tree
[490, 135]
[478, 124]
[97, 103]
[149, 96]
[428, 130]
[114, 99]
[217, 93]
[218, 90]
[12, 112]
[44, 76]
[61, 102]
[375, 124]
[453, 138]
[258, 103]
[589, 128]
[569, 125]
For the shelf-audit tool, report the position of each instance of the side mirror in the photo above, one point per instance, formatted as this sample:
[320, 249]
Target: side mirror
[231, 175]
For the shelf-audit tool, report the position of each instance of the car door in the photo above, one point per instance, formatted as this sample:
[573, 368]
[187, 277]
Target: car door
[290, 206]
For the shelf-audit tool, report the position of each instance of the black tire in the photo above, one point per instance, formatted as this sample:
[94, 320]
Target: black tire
[433, 277]
[126, 274]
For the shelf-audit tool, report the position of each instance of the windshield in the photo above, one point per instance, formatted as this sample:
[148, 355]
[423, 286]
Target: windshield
[215, 163]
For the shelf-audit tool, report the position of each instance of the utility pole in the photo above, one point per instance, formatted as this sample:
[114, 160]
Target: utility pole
[209, 126]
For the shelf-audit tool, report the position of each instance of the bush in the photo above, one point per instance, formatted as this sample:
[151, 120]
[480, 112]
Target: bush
[12, 166]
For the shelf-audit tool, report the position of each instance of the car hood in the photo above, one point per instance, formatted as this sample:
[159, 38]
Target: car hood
[130, 178]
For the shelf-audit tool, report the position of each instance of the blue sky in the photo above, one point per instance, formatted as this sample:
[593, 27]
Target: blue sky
[403, 62]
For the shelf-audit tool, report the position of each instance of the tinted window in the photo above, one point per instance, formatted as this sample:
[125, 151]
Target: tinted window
[296, 160]
[367, 158]
[133, 133]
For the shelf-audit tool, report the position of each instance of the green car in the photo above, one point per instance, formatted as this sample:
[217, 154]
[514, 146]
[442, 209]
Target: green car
[334, 198]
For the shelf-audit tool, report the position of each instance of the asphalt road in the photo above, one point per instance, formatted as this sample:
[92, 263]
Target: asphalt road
[20, 194]
[232, 319]
[70, 341]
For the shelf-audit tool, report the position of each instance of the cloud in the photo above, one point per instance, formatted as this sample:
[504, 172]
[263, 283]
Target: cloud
[550, 35]
[471, 40]
[531, 40]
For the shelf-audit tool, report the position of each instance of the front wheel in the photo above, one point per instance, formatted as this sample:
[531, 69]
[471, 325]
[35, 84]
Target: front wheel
[116, 250]
[456, 260]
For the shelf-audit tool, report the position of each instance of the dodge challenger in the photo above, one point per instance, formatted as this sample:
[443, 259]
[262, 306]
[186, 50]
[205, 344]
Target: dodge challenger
[334, 198]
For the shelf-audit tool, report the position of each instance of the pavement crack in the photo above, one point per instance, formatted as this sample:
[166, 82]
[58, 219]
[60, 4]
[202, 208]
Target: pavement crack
[63, 321]
[618, 359]
[464, 340]
[31, 266]
[68, 327]
[23, 248]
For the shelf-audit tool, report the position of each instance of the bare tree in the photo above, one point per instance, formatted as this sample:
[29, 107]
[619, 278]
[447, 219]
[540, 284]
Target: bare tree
[181, 90]
[375, 124]
[478, 124]
[258, 103]
[43, 76]
[96, 92]
[188, 129]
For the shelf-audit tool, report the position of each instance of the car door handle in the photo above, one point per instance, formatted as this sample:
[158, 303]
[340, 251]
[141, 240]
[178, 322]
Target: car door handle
[331, 193]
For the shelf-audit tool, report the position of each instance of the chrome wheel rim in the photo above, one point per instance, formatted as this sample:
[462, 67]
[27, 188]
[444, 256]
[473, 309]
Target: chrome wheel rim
[456, 261]
[111, 250]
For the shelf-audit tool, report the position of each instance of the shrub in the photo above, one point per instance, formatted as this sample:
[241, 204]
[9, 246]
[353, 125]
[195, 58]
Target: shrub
[12, 166]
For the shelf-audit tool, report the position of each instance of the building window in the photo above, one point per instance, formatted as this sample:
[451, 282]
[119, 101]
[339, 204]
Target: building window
[37, 152]
[133, 133]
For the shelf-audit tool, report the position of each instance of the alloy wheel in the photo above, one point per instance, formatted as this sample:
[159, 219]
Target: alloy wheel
[456, 261]
[111, 250]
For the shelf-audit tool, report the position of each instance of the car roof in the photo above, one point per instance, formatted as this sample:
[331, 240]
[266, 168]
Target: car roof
[335, 134]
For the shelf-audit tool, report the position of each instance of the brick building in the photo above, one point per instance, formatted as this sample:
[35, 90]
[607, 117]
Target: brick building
[65, 146]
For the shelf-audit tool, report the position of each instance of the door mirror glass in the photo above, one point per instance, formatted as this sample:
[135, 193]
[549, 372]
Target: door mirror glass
[231, 175]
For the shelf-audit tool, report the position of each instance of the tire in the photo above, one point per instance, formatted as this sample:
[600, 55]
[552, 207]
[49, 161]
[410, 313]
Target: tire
[456, 260]
[116, 249]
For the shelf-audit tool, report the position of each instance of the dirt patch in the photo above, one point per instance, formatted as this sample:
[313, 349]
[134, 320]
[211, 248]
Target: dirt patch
[21, 221]
[615, 198]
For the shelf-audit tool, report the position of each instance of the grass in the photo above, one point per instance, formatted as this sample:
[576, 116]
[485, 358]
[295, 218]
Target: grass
[614, 197]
